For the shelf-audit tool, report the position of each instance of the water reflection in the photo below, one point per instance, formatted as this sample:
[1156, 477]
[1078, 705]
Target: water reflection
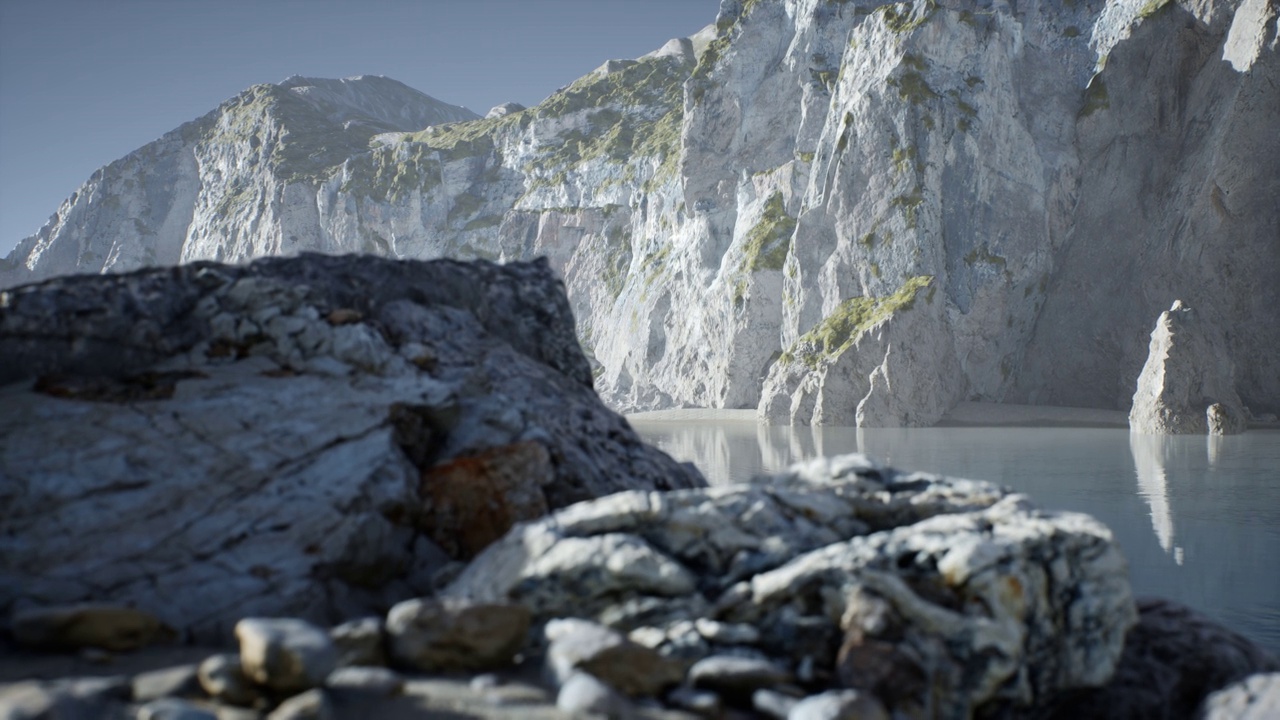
[1149, 463]
[1198, 520]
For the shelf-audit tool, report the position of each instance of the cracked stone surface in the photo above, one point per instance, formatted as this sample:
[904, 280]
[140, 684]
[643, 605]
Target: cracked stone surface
[212, 442]
[940, 596]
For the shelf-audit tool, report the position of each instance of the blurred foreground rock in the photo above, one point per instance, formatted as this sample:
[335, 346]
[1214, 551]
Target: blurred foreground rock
[1173, 659]
[312, 437]
[939, 596]
[841, 588]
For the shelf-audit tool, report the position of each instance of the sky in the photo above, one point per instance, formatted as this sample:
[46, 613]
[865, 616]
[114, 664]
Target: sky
[84, 82]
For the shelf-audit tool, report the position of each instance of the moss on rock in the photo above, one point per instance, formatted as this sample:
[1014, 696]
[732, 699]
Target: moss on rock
[768, 242]
[839, 330]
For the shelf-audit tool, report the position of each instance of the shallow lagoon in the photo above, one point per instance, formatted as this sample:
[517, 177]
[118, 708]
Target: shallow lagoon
[1198, 518]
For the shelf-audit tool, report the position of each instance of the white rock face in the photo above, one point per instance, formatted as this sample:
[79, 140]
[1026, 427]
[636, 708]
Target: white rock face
[1053, 171]
[1188, 383]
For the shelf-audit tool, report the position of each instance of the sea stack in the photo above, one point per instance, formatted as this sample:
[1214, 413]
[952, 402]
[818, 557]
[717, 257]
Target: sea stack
[1188, 383]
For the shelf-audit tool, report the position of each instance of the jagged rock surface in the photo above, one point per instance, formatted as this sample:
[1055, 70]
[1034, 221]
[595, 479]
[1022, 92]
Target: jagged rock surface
[1056, 172]
[939, 596]
[213, 441]
[1174, 658]
[1188, 384]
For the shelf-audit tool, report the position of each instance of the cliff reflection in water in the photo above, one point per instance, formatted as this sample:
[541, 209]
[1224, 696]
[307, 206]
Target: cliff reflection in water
[1198, 519]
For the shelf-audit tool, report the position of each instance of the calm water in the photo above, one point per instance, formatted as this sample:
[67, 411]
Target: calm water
[1198, 518]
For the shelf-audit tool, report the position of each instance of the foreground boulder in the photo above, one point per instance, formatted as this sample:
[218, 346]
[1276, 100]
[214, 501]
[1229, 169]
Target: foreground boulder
[940, 597]
[1188, 384]
[310, 437]
[1173, 659]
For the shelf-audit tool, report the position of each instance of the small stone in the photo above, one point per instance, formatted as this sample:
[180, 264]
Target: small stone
[174, 709]
[74, 698]
[650, 637]
[581, 645]
[449, 635]
[73, 627]
[586, 694]
[515, 694]
[285, 654]
[97, 656]
[327, 366]
[727, 633]
[839, 705]
[772, 703]
[359, 642]
[313, 704]
[222, 677]
[701, 702]
[344, 316]
[1222, 421]
[231, 712]
[180, 681]
[730, 673]
[360, 346]
[1257, 697]
[379, 680]
[487, 681]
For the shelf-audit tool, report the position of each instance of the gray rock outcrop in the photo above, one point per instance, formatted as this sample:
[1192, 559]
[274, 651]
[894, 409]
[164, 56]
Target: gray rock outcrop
[936, 595]
[310, 437]
[504, 110]
[1188, 384]
[1055, 171]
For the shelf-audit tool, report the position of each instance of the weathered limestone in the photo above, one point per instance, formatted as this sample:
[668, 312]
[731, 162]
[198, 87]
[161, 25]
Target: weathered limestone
[886, 582]
[1188, 383]
[449, 635]
[157, 414]
[713, 203]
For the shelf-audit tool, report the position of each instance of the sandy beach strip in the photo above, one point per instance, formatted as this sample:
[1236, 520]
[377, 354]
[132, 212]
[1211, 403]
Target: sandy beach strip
[967, 414]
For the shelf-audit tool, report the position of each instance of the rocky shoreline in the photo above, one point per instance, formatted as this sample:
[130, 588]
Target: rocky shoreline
[327, 487]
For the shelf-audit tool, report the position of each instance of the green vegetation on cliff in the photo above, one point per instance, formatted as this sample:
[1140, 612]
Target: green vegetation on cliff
[392, 172]
[768, 242]
[306, 146]
[839, 330]
[634, 112]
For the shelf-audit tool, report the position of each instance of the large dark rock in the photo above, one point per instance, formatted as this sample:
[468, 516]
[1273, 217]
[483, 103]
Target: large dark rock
[313, 436]
[1173, 659]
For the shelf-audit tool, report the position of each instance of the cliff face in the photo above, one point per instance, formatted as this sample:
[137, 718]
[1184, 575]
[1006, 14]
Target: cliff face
[833, 211]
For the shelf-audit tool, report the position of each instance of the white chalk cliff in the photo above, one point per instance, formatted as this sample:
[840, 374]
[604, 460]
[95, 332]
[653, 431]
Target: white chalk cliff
[832, 211]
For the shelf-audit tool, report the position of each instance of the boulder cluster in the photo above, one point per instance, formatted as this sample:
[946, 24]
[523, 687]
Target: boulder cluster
[354, 488]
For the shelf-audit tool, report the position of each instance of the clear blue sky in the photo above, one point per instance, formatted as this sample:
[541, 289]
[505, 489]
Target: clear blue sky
[83, 82]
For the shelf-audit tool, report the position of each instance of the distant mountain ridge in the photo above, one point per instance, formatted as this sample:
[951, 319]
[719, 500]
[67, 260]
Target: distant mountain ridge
[834, 212]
